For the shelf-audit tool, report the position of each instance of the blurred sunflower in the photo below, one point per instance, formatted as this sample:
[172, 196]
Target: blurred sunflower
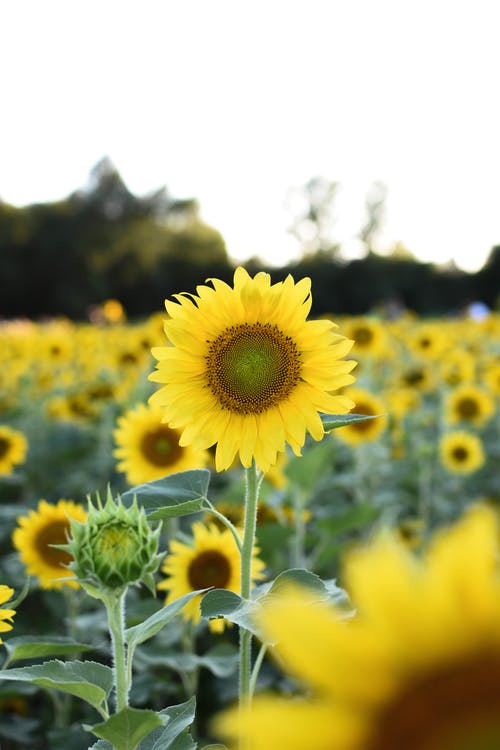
[469, 403]
[13, 449]
[35, 534]
[459, 366]
[461, 452]
[246, 371]
[212, 560]
[149, 449]
[369, 336]
[418, 667]
[366, 431]
[428, 340]
[6, 615]
[418, 376]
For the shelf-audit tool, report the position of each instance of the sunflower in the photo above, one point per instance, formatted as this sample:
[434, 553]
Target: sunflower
[13, 449]
[6, 615]
[428, 340]
[35, 534]
[212, 560]
[369, 335]
[418, 667]
[366, 430]
[461, 452]
[469, 404]
[149, 449]
[246, 371]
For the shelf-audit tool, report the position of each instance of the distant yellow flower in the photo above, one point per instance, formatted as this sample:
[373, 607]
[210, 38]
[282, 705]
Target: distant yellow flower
[13, 449]
[469, 403]
[246, 371]
[35, 534]
[418, 667]
[428, 340]
[6, 615]
[369, 335]
[461, 452]
[366, 430]
[149, 449]
[212, 560]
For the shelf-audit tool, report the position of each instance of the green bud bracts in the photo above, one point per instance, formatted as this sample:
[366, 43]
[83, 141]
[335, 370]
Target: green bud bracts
[114, 548]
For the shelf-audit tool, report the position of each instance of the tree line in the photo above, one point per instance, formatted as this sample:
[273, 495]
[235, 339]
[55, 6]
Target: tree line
[102, 242]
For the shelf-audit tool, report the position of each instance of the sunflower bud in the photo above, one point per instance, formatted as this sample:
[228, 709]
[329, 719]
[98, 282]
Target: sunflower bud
[114, 548]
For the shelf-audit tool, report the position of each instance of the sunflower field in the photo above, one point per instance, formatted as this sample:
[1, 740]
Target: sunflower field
[232, 526]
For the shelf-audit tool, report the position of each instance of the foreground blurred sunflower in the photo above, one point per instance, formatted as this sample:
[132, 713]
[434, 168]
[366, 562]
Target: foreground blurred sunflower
[246, 371]
[212, 560]
[149, 450]
[6, 615]
[461, 452]
[13, 448]
[418, 668]
[35, 534]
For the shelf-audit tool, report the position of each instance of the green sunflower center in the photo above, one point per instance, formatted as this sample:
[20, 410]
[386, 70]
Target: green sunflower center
[160, 447]
[116, 542]
[55, 532]
[252, 367]
[454, 708]
[209, 568]
[468, 408]
[4, 446]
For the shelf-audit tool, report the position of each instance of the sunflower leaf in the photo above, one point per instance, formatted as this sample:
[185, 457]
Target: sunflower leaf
[125, 729]
[173, 734]
[175, 495]
[225, 603]
[139, 633]
[39, 647]
[88, 680]
[332, 421]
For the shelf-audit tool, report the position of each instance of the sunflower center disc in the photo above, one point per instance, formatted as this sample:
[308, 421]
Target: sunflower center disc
[161, 447]
[4, 447]
[455, 708]
[467, 408]
[460, 453]
[209, 568]
[54, 533]
[251, 368]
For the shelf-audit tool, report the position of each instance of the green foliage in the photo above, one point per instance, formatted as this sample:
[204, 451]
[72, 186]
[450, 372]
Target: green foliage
[88, 680]
[125, 729]
[176, 495]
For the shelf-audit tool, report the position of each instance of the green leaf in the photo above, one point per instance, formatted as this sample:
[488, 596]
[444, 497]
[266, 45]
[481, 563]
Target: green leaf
[304, 471]
[39, 647]
[332, 421]
[18, 729]
[353, 519]
[88, 680]
[225, 603]
[298, 577]
[175, 495]
[125, 729]
[101, 745]
[139, 633]
[222, 660]
[183, 742]
[178, 719]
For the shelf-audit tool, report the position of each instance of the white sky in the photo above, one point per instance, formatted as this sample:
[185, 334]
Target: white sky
[234, 102]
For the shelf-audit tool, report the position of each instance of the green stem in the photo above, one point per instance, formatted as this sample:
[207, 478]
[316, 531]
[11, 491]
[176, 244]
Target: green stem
[252, 485]
[115, 608]
[256, 668]
[227, 523]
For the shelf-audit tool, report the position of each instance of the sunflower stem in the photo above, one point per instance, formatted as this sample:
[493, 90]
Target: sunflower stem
[115, 605]
[253, 479]
[227, 523]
